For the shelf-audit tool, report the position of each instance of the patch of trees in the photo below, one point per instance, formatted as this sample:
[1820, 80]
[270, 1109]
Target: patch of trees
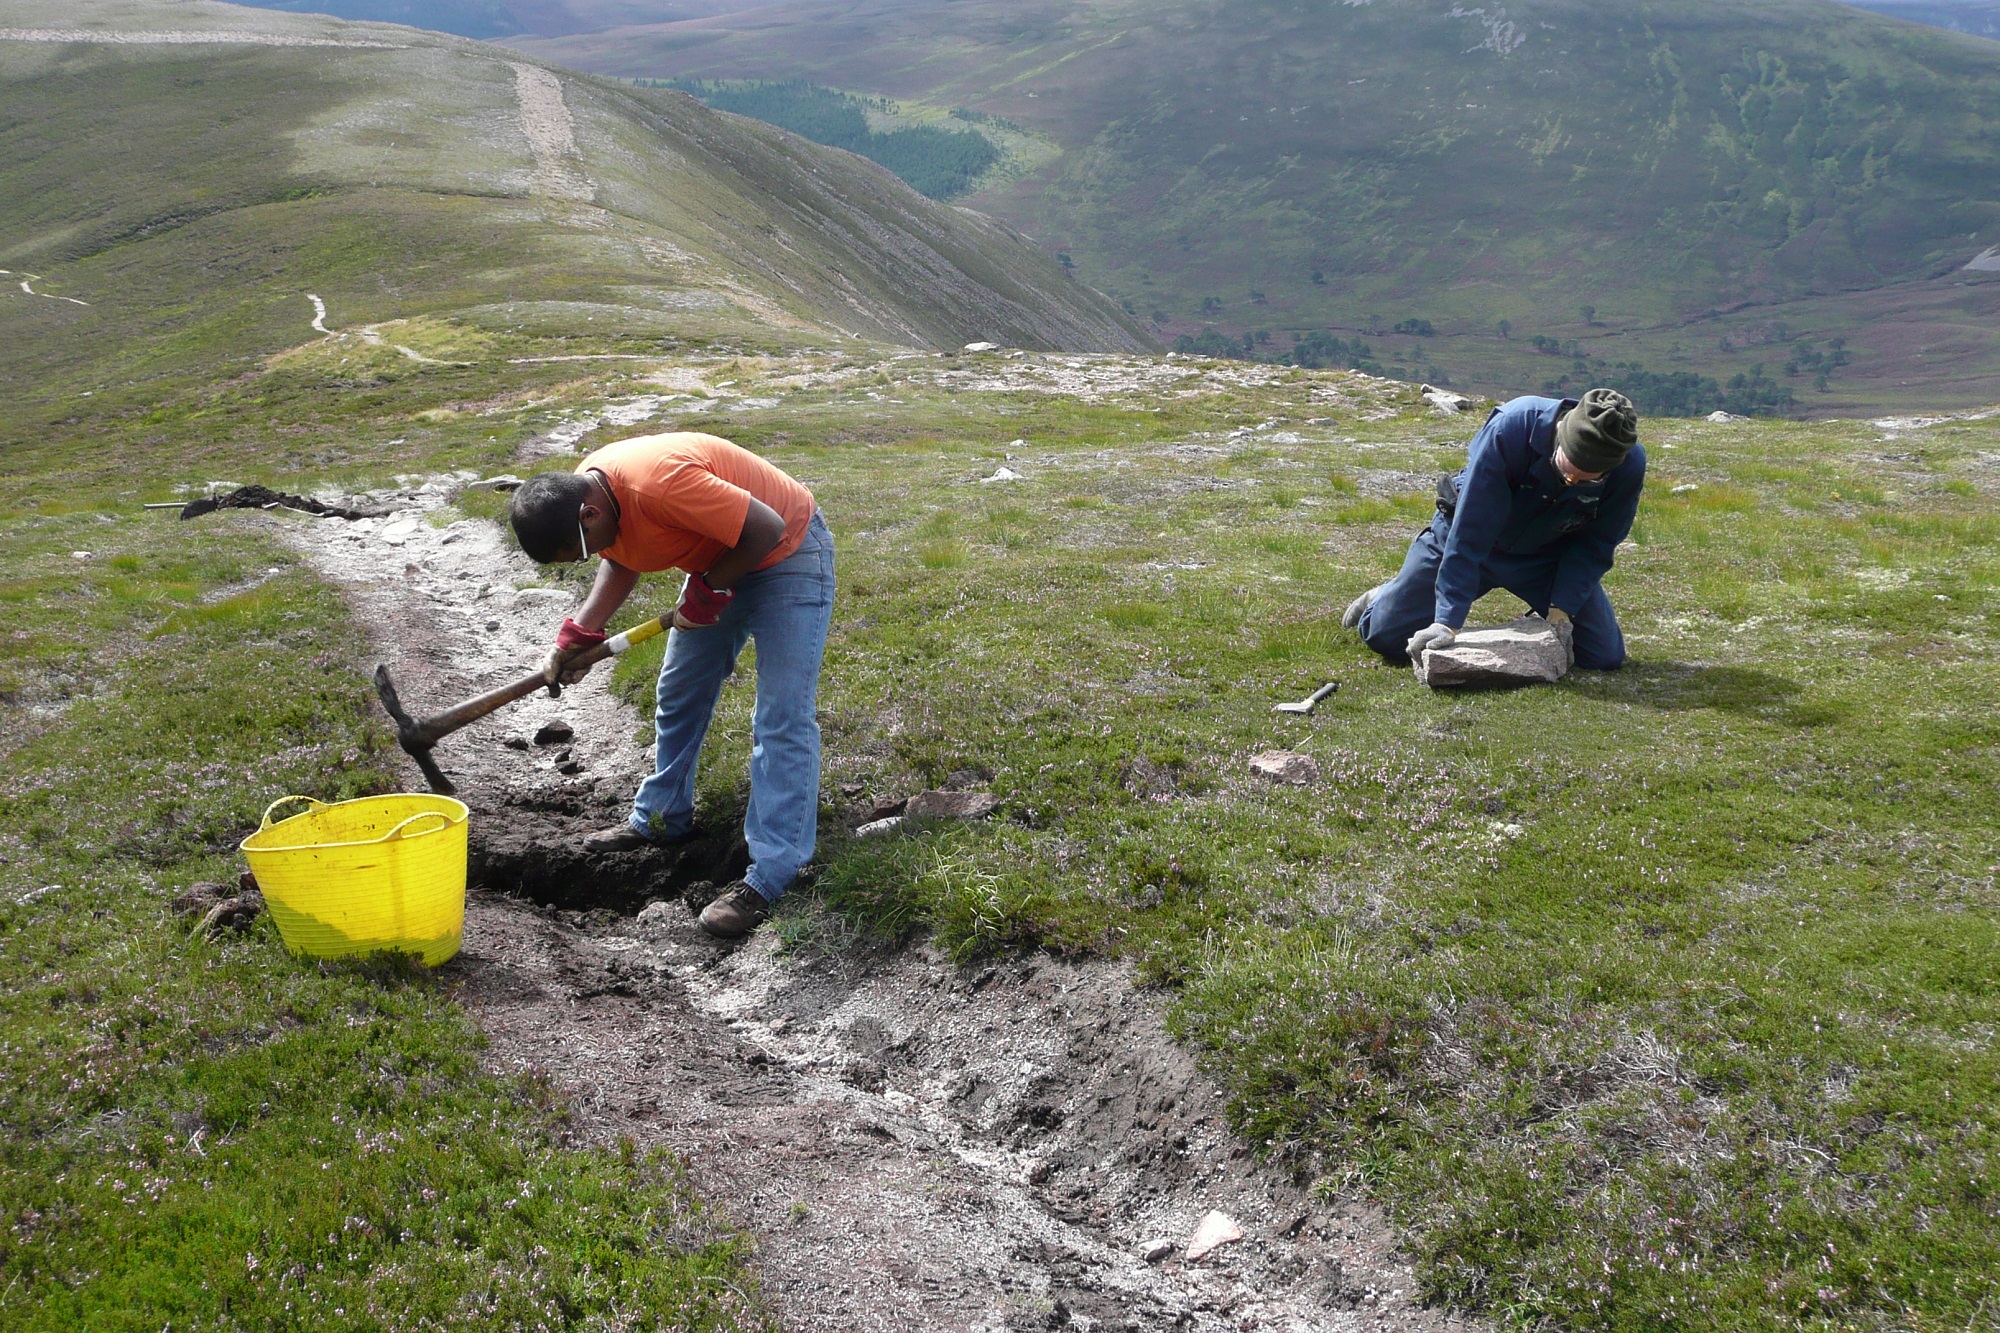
[1416, 328]
[1683, 393]
[1808, 359]
[942, 164]
[1317, 350]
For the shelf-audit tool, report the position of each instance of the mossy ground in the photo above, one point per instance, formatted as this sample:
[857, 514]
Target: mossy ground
[1662, 998]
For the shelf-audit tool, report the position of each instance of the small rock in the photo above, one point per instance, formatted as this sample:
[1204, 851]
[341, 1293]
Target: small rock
[654, 915]
[503, 482]
[570, 769]
[886, 810]
[1725, 418]
[982, 347]
[1003, 474]
[516, 742]
[1216, 1229]
[247, 883]
[965, 779]
[1685, 487]
[1153, 1251]
[1297, 770]
[85, 555]
[875, 828]
[1444, 401]
[952, 805]
[492, 625]
[851, 791]
[554, 733]
[1040, 1170]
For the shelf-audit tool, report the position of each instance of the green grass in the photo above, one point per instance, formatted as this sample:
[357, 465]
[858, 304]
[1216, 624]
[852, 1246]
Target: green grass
[1657, 999]
[216, 1134]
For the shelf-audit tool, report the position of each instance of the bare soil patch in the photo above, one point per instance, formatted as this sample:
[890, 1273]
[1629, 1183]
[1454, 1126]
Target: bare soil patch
[915, 1146]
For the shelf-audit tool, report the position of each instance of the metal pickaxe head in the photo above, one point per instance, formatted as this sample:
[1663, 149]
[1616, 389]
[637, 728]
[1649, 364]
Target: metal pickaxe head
[411, 735]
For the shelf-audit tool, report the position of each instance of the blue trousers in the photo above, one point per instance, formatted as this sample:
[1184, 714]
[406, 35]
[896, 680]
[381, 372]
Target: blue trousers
[786, 609]
[1408, 602]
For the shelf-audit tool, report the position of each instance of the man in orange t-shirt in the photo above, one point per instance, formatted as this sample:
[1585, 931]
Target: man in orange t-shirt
[759, 561]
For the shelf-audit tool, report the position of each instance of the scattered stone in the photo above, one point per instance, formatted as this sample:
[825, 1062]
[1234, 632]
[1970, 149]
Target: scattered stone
[654, 914]
[1040, 1170]
[1525, 651]
[982, 347]
[1297, 770]
[1004, 474]
[492, 625]
[516, 742]
[554, 733]
[1725, 418]
[851, 791]
[1685, 487]
[885, 810]
[875, 828]
[570, 769]
[951, 805]
[85, 555]
[1215, 1230]
[1444, 401]
[506, 481]
[1153, 1251]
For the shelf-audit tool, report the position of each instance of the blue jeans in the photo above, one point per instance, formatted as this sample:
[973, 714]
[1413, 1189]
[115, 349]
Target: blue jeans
[786, 609]
[1408, 602]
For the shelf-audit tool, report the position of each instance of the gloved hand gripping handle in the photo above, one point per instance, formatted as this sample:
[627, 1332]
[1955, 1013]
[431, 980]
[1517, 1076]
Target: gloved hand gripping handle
[417, 737]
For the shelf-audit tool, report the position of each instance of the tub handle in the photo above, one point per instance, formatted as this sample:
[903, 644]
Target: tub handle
[280, 801]
[444, 822]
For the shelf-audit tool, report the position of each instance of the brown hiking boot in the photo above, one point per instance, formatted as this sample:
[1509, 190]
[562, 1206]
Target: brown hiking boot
[625, 838]
[736, 913]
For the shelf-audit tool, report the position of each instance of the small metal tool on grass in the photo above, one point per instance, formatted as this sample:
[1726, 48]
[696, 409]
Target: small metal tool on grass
[1310, 702]
[417, 736]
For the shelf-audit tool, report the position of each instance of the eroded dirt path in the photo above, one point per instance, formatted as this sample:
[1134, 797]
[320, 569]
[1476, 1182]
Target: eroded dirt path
[915, 1146]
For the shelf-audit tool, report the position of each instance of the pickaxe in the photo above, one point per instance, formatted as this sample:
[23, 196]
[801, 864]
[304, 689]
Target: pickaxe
[417, 738]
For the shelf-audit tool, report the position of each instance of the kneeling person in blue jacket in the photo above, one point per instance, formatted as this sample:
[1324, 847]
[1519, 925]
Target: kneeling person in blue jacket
[1549, 490]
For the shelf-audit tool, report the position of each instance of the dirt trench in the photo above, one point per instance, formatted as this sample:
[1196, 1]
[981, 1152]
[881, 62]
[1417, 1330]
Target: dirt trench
[914, 1146]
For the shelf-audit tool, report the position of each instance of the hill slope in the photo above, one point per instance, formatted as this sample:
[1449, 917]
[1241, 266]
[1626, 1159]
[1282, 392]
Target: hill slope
[1655, 161]
[182, 178]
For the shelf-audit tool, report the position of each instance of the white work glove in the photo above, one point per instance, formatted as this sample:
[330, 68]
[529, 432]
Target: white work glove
[1439, 635]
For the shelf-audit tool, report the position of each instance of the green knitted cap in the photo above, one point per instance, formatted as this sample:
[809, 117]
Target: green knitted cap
[1599, 431]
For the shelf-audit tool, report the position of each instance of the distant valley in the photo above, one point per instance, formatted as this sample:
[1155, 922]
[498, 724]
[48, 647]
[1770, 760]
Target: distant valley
[1694, 188]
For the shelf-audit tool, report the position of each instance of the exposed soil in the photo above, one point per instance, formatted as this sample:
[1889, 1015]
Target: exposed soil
[915, 1146]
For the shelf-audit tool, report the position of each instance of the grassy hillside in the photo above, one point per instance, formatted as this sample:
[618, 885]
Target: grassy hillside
[187, 197]
[1345, 167]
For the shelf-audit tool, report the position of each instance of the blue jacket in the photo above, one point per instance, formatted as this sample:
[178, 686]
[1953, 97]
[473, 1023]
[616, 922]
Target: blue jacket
[1512, 500]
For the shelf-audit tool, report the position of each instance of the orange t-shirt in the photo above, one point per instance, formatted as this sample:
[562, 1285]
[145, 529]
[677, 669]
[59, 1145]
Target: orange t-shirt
[682, 499]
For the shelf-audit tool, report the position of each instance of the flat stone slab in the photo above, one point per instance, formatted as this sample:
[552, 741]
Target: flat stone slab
[1527, 651]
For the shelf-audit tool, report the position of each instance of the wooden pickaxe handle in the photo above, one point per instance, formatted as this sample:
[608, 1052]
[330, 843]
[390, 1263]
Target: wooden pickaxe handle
[433, 729]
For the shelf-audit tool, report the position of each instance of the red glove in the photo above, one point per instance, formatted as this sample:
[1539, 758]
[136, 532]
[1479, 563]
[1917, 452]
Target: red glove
[571, 639]
[701, 604]
[573, 636]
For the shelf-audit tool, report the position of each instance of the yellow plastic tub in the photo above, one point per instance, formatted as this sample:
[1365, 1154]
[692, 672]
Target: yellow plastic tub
[380, 873]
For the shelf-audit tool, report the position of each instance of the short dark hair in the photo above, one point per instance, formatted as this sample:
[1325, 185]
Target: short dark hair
[544, 513]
